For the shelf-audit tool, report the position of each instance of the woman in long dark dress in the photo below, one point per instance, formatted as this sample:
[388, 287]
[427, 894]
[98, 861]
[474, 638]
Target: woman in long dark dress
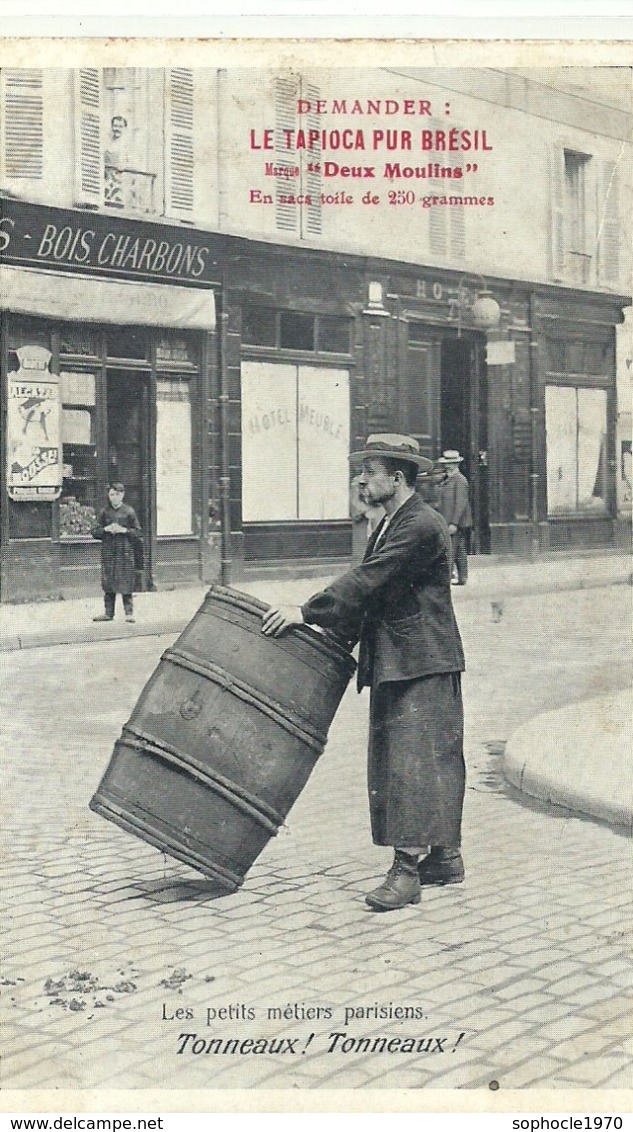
[121, 540]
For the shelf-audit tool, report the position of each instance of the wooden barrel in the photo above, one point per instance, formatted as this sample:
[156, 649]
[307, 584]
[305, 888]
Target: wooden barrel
[224, 737]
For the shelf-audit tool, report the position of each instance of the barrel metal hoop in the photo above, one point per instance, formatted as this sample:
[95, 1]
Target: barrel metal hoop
[108, 808]
[295, 726]
[303, 633]
[240, 798]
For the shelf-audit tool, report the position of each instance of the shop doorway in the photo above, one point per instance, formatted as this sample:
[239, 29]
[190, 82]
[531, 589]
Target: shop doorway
[128, 448]
[464, 423]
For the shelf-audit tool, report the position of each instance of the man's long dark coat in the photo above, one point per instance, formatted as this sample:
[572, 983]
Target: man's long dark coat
[397, 602]
[121, 555]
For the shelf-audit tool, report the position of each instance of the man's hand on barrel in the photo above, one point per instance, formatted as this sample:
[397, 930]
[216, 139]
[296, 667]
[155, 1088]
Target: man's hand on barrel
[277, 620]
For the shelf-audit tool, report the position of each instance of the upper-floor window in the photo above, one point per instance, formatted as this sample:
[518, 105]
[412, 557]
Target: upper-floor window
[576, 215]
[584, 218]
[23, 132]
[129, 179]
[447, 224]
[134, 140]
[299, 183]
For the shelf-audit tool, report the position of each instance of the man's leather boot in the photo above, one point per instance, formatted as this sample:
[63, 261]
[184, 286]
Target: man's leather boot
[400, 887]
[442, 866]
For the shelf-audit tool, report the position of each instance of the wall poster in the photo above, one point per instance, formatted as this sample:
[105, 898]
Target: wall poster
[34, 449]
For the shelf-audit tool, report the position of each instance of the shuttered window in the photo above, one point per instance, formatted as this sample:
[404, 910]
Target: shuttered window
[312, 174]
[608, 225]
[584, 218]
[438, 223]
[23, 127]
[447, 223]
[458, 231]
[287, 91]
[179, 183]
[557, 213]
[290, 216]
[88, 141]
[131, 127]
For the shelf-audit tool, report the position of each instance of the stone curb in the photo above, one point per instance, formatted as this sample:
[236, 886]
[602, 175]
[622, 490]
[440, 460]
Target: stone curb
[503, 588]
[498, 588]
[579, 757]
[89, 636]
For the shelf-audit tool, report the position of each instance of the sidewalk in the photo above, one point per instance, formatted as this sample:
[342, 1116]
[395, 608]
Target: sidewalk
[42, 624]
[580, 756]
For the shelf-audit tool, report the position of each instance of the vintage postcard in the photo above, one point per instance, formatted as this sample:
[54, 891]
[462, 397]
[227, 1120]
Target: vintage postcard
[226, 266]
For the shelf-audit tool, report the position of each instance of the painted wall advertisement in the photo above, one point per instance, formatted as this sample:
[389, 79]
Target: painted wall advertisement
[34, 449]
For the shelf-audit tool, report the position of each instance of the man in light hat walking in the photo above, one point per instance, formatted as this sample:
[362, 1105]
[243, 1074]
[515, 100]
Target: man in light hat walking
[397, 603]
[453, 502]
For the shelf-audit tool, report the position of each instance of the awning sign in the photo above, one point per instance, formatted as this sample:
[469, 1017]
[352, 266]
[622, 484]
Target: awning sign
[34, 449]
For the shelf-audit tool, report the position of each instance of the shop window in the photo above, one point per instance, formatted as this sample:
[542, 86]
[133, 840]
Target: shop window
[578, 357]
[333, 335]
[175, 351]
[78, 502]
[127, 342]
[295, 442]
[259, 325]
[597, 358]
[576, 436]
[555, 355]
[29, 520]
[27, 331]
[173, 457]
[296, 331]
[418, 332]
[79, 341]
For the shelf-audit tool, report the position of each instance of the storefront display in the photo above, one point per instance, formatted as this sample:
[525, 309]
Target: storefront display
[104, 380]
[233, 443]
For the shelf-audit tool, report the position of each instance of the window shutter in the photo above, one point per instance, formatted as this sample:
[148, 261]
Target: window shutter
[438, 222]
[457, 220]
[286, 94]
[312, 180]
[557, 212]
[23, 126]
[88, 142]
[608, 225]
[179, 195]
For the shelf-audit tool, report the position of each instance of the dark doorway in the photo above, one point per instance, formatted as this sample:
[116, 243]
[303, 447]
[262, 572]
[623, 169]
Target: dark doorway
[464, 423]
[128, 447]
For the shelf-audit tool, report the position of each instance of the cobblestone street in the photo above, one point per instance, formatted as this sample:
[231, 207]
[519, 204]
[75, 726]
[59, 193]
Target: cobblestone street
[112, 952]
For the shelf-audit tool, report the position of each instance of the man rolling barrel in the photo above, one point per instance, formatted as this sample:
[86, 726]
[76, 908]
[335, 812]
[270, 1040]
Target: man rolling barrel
[397, 603]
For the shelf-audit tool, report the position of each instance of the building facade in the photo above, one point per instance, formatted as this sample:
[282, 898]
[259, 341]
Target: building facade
[201, 297]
